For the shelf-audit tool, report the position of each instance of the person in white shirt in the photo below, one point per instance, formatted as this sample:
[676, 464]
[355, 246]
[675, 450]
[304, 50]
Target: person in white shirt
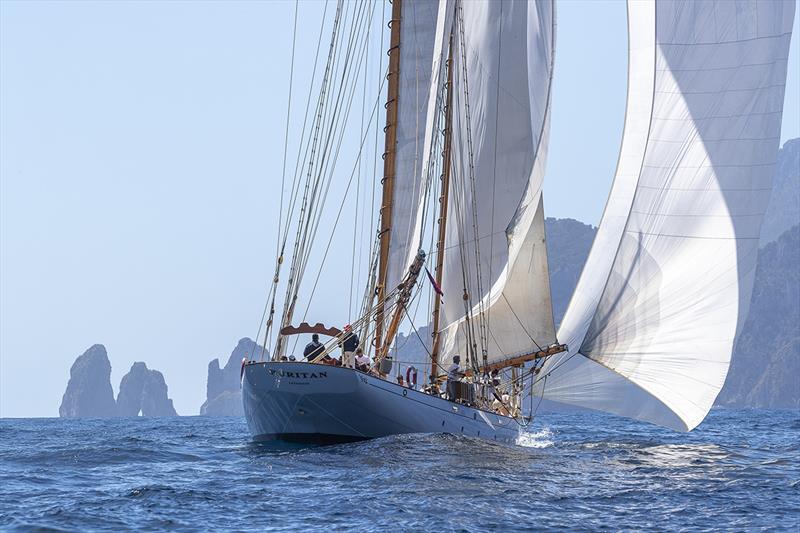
[362, 360]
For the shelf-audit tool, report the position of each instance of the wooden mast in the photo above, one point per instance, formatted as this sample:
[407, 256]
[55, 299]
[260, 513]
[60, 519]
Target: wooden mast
[387, 199]
[443, 199]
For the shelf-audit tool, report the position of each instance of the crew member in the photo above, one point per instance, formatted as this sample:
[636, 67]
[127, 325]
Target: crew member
[349, 346]
[494, 383]
[454, 374]
[362, 360]
[313, 348]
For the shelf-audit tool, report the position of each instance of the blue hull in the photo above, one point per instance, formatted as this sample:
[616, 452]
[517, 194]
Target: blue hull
[304, 402]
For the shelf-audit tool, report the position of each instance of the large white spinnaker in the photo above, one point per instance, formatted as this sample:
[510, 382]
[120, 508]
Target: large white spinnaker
[503, 57]
[417, 37]
[652, 321]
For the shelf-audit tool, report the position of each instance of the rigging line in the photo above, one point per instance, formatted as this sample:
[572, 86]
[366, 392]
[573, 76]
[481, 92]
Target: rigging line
[328, 124]
[301, 257]
[310, 200]
[381, 71]
[337, 130]
[341, 206]
[356, 270]
[405, 310]
[470, 153]
[496, 135]
[334, 134]
[520, 322]
[360, 236]
[465, 271]
[339, 126]
[283, 184]
[317, 222]
[323, 90]
[295, 175]
[373, 242]
[286, 131]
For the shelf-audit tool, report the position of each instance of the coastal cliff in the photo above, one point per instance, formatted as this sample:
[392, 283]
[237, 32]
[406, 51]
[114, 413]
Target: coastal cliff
[766, 358]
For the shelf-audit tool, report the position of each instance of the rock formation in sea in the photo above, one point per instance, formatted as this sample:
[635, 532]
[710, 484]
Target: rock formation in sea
[89, 392]
[223, 388]
[144, 390]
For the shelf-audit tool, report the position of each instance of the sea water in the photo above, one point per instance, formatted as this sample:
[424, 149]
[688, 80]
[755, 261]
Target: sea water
[740, 470]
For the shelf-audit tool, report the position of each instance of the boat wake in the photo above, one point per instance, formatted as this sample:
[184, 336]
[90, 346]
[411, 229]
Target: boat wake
[538, 439]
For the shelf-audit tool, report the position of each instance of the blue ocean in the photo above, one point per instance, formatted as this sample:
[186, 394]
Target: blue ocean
[740, 470]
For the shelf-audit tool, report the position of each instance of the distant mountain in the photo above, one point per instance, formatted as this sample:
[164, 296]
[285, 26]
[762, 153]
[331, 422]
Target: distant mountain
[568, 245]
[784, 205]
[89, 392]
[765, 371]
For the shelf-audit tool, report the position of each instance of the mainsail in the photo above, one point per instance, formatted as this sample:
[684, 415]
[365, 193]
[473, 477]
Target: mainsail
[417, 37]
[495, 246]
[652, 321]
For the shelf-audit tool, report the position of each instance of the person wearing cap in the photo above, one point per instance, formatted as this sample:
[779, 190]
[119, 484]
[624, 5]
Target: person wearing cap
[454, 374]
[313, 348]
[349, 346]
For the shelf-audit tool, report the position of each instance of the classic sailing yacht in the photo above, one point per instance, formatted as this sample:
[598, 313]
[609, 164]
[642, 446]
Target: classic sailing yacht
[650, 328]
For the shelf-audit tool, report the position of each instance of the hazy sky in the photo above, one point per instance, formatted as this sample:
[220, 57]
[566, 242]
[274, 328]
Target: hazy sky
[140, 157]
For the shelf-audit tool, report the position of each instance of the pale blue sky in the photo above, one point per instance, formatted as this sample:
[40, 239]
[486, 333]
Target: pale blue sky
[140, 153]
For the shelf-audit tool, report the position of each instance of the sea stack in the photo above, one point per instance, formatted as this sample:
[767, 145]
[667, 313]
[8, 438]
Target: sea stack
[89, 392]
[144, 390]
[223, 391]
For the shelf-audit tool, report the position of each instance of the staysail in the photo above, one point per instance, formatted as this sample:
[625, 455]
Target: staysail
[652, 321]
[495, 245]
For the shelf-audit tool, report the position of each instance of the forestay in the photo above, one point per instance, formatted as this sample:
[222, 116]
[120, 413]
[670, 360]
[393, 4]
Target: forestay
[653, 319]
[503, 61]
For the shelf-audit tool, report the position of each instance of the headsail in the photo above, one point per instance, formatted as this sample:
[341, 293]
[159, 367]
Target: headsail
[653, 319]
[495, 240]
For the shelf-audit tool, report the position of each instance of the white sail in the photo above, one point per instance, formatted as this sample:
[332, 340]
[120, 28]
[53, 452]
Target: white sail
[508, 47]
[417, 37]
[652, 321]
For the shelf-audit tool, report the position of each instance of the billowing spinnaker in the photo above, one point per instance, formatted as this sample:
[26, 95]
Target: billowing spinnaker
[653, 319]
[509, 60]
[417, 37]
